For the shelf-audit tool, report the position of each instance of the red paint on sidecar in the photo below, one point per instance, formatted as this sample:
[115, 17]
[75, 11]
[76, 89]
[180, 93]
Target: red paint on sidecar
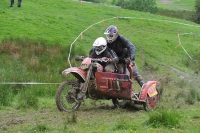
[113, 85]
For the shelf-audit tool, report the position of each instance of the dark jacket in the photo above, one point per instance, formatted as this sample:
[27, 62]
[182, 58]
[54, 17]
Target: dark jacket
[109, 53]
[118, 46]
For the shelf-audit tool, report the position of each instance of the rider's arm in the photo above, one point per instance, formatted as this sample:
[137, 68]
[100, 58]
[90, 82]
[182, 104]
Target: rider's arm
[131, 48]
[113, 56]
[91, 53]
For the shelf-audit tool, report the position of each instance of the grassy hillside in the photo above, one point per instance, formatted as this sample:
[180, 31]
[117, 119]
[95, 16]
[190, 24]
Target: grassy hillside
[176, 4]
[34, 47]
[37, 21]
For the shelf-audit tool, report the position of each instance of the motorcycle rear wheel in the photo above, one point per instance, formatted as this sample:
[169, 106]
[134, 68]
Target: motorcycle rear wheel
[66, 96]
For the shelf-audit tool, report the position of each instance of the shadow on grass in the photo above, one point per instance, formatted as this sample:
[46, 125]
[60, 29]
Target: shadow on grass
[128, 107]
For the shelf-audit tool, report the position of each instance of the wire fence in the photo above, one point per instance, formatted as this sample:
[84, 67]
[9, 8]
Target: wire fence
[149, 19]
[180, 44]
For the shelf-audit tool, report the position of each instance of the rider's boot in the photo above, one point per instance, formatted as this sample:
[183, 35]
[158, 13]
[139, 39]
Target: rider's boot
[140, 80]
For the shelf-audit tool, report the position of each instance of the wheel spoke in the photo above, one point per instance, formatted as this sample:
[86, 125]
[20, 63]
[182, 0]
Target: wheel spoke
[66, 96]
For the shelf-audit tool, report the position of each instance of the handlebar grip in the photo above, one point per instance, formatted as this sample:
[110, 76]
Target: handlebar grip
[99, 59]
[78, 58]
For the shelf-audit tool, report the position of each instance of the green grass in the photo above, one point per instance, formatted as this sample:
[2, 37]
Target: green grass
[35, 41]
[177, 4]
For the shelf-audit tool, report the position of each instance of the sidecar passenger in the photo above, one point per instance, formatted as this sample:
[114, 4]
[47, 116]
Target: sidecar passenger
[100, 50]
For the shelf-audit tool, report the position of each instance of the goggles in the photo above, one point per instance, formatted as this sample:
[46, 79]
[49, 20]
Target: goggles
[99, 47]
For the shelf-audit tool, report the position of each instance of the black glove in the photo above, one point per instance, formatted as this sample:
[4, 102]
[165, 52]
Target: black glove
[110, 60]
[127, 60]
[121, 59]
[105, 59]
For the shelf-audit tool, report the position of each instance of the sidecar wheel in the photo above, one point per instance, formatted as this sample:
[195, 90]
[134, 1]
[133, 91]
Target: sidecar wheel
[66, 95]
[151, 102]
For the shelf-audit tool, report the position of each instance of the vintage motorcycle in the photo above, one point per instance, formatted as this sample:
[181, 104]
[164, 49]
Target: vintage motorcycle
[90, 81]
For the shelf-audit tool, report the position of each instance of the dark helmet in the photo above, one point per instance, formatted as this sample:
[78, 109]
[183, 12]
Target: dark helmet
[111, 33]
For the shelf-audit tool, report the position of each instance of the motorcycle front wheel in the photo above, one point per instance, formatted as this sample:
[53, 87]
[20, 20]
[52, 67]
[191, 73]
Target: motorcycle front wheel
[66, 96]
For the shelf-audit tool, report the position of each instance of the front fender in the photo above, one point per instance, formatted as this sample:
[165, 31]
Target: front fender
[77, 72]
[150, 89]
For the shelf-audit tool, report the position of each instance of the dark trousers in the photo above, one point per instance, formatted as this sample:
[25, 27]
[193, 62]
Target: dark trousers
[12, 3]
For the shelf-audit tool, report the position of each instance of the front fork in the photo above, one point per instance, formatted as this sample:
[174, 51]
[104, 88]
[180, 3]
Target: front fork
[83, 89]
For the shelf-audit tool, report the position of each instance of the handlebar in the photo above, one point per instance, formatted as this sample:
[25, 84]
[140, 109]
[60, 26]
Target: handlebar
[100, 59]
[81, 58]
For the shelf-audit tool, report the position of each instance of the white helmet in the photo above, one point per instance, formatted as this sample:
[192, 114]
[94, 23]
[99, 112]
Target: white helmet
[100, 45]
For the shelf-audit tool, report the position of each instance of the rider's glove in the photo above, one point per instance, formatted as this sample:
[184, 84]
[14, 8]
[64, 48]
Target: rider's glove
[127, 60]
[121, 59]
[109, 59]
[105, 59]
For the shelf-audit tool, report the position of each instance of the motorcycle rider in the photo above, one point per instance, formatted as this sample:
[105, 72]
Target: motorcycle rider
[118, 43]
[100, 50]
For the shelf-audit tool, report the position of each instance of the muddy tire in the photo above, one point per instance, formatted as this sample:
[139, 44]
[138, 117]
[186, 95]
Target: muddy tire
[151, 102]
[66, 96]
